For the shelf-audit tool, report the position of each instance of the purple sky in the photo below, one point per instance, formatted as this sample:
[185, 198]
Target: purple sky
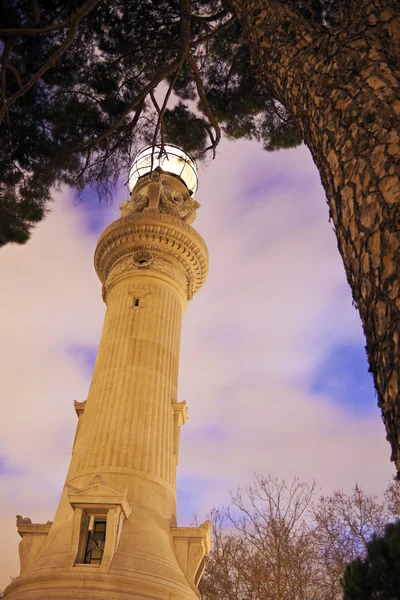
[272, 366]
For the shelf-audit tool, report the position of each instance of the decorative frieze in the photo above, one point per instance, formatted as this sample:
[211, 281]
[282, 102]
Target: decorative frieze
[132, 264]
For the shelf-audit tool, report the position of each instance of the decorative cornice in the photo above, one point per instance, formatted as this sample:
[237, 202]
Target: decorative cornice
[203, 533]
[98, 494]
[181, 411]
[25, 526]
[79, 408]
[152, 241]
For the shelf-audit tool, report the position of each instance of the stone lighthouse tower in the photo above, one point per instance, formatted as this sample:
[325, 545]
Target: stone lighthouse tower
[115, 533]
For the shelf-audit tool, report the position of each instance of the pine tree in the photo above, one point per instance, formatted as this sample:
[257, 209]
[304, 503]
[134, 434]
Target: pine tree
[78, 81]
[378, 574]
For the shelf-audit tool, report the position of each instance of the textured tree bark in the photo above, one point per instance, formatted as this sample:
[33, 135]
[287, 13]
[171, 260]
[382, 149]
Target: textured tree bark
[342, 87]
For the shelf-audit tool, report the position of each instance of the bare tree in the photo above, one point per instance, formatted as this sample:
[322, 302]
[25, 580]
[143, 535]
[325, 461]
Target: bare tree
[392, 498]
[267, 552]
[276, 542]
[344, 525]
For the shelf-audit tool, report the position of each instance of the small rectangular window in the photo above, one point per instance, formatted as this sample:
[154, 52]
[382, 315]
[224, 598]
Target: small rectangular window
[96, 540]
[136, 301]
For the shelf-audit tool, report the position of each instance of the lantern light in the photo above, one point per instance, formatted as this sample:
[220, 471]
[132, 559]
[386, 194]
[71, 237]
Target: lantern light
[173, 161]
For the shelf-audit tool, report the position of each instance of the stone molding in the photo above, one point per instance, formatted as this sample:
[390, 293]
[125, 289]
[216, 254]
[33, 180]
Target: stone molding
[180, 418]
[176, 250]
[96, 498]
[79, 408]
[98, 495]
[33, 536]
[192, 545]
[24, 527]
[128, 266]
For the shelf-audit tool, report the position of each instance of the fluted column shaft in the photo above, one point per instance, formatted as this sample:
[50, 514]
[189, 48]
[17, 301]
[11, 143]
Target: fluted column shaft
[128, 419]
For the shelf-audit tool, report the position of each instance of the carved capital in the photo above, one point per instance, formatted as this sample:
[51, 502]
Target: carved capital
[155, 242]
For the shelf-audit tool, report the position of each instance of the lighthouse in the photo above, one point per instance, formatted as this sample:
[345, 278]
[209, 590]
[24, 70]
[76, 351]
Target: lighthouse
[115, 535]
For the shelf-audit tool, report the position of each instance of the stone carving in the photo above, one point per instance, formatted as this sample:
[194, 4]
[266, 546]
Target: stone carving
[136, 205]
[120, 267]
[189, 251]
[142, 259]
[71, 489]
[24, 549]
[97, 480]
[154, 190]
[130, 264]
[116, 225]
[25, 546]
[162, 199]
[178, 205]
[166, 267]
[21, 519]
[190, 291]
[192, 544]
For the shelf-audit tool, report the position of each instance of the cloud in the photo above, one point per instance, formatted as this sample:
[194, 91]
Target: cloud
[274, 308]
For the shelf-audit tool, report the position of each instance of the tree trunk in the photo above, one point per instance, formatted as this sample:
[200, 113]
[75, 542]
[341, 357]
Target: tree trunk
[342, 87]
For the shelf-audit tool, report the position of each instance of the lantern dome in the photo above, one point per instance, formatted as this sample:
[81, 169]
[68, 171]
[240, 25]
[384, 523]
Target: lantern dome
[173, 161]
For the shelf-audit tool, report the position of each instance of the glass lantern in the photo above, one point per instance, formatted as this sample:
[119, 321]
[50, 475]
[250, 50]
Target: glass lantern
[173, 161]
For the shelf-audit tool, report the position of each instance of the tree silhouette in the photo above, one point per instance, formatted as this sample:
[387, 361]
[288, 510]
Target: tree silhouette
[378, 574]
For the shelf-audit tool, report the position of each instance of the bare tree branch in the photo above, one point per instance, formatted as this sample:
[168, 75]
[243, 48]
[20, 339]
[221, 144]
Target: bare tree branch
[205, 104]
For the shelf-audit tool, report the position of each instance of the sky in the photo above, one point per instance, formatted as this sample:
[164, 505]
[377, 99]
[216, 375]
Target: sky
[272, 365]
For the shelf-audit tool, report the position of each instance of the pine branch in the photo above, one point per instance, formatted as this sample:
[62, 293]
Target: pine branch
[75, 21]
[214, 32]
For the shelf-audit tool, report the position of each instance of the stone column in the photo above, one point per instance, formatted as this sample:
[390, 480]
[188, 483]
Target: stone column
[150, 263]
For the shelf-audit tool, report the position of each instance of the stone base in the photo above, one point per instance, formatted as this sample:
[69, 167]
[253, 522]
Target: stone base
[73, 586]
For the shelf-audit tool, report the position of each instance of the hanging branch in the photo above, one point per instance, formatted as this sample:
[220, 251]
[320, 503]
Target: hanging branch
[160, 119]
[119, 131]
[207, 109]
[161, 111]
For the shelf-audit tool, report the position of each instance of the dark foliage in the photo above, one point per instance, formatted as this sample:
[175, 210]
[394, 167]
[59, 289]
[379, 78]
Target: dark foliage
[377, 576]
[78, 81]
